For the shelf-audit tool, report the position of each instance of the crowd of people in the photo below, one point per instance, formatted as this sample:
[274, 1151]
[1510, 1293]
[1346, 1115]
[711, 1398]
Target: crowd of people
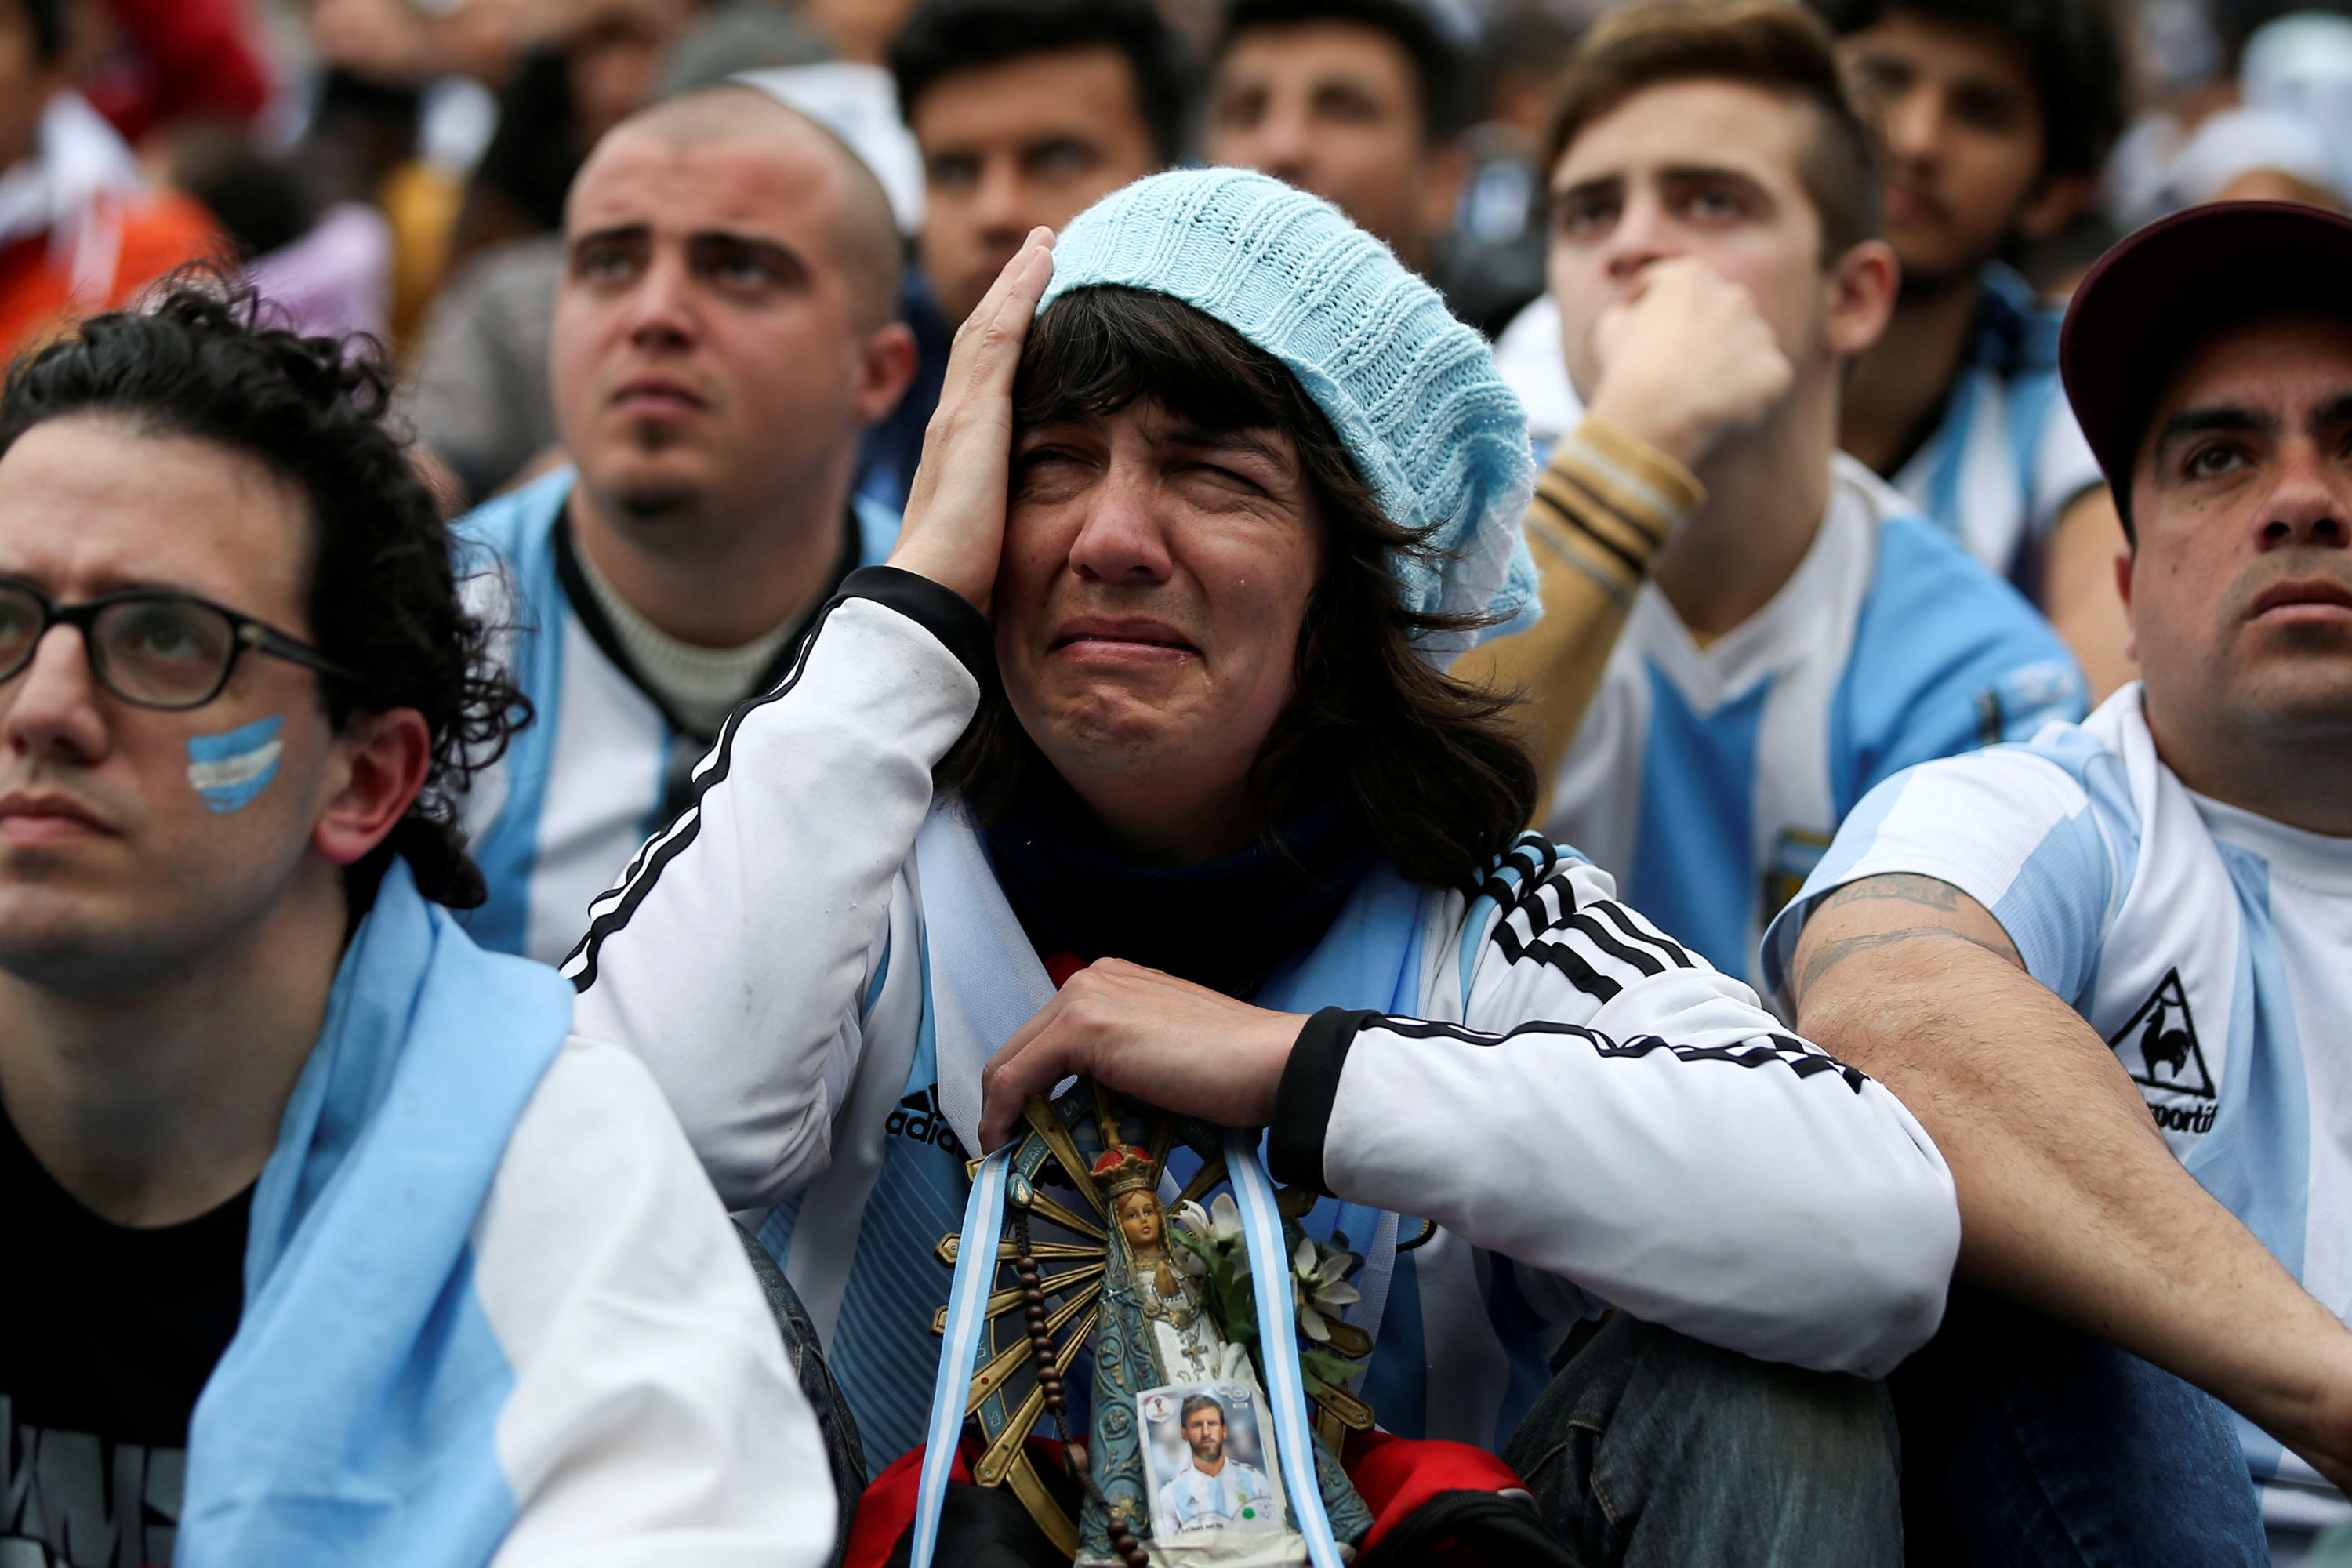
[1175, 782]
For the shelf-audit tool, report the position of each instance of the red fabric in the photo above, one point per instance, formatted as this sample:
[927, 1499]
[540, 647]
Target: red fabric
[187, 59]
[887, 1508]
[160, 230]
[1393, 1475]
[1396, 1475]
[1061, 966]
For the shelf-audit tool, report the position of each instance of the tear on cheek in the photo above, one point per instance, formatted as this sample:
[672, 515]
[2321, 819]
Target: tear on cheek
[231, 768]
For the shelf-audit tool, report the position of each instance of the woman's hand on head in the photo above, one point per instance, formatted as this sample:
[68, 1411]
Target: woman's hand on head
[954, 527]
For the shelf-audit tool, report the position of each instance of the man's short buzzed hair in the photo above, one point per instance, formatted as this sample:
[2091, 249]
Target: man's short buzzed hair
[1771, 44]
[866, 243]
[1196, 1403]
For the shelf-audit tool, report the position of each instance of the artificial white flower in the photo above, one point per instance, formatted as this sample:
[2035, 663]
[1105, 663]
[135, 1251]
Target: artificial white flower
[1319, 1285]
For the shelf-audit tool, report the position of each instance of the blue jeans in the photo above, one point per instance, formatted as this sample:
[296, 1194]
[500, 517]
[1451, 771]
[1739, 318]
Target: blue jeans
[1653, 1451]
[2028, 1443]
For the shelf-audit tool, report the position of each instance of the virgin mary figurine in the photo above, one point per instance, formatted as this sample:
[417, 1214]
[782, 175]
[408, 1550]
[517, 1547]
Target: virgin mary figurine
[1183, 1465]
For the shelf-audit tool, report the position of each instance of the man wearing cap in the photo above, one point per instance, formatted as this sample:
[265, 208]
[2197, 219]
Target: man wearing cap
[725, 333]
[1170, 725]
[2110, 968]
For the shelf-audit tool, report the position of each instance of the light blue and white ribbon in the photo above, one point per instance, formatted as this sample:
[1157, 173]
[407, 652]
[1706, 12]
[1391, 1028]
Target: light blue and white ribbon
[1285, 1386]
[975, 1271]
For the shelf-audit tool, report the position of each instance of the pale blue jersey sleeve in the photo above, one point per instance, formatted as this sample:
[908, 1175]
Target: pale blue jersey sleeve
[2044, 837]
[1947, 657]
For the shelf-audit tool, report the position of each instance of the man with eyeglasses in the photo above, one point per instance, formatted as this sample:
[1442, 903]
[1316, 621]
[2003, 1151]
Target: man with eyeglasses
[324, 1243]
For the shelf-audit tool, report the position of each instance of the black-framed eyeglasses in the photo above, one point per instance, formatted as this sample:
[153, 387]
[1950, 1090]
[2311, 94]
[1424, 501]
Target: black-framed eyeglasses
[151, 647]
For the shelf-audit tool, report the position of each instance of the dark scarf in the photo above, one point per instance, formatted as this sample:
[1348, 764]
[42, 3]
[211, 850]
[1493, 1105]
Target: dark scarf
[1227, 924]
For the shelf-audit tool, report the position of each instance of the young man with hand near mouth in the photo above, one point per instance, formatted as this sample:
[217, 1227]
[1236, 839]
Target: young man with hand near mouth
[325, 1244]
[1763, 629]
[725, 333]
[2111, 968]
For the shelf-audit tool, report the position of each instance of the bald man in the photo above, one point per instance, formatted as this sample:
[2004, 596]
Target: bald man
[724, 334]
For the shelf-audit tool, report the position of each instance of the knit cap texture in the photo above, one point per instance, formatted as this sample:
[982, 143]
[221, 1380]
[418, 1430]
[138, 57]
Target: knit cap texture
[1412, 392]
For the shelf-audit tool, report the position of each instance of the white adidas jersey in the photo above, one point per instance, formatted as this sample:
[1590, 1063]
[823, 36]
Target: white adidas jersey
[2211, 947]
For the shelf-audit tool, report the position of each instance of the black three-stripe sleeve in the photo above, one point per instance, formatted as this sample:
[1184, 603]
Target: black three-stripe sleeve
[1309, 1088]
[958, 626]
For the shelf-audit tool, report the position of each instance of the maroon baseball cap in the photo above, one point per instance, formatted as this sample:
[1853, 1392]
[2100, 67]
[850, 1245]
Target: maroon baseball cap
[2166, 288]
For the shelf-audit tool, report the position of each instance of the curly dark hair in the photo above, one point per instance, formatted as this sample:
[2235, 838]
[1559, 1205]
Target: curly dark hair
[1431, 765]
[384, 601]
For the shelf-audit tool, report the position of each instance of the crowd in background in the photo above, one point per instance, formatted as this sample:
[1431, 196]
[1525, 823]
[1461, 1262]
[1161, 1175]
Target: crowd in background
[394, 166]
[568, 253]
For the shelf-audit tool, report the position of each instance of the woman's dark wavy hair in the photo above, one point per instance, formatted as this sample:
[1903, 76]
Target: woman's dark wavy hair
[1428, 763]
[384, 600]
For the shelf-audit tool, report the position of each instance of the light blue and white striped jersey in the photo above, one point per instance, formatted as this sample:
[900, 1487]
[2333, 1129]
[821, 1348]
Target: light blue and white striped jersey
[2004, 461]
[604, 763]
[1709, 780]
[2007, 456]
[2210, 947]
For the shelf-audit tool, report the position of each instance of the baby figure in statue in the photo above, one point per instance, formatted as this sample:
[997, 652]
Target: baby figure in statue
[1178, 1495]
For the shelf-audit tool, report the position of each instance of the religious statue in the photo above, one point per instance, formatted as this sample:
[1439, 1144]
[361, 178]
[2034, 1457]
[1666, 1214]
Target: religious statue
[1183, 1338]
[1179, 1463]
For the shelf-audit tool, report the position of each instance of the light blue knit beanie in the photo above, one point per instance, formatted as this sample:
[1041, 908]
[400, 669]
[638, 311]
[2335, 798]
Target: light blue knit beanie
[1411, 391]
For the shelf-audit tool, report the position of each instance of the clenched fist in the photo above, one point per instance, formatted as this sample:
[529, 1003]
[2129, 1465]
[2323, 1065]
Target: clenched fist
[1686, 360]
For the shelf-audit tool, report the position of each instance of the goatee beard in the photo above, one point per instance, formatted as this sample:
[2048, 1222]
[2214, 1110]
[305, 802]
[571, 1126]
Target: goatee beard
[655, 500]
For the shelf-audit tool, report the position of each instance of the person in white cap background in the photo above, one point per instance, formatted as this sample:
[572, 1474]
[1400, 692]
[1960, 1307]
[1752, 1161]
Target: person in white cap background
[1171, 724]
[725, 333]
[2111, 968]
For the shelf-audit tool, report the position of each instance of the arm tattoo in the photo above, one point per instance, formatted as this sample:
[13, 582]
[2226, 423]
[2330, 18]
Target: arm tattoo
[1898, 887]
[1926, 892]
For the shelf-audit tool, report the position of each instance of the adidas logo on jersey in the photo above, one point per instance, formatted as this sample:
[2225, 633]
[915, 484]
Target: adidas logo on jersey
[2159, 1048]
[919, 1116]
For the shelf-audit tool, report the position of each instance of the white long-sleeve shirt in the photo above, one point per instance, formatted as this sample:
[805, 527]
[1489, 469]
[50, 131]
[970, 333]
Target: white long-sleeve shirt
[1589, 1112]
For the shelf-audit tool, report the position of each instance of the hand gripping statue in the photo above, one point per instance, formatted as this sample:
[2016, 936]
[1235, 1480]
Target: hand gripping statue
[1182, 1466]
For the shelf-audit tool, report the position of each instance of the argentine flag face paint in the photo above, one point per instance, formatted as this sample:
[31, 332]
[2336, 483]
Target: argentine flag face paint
[228, 770]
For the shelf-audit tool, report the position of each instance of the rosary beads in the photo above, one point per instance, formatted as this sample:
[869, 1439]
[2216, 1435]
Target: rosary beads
[1049, 1384]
